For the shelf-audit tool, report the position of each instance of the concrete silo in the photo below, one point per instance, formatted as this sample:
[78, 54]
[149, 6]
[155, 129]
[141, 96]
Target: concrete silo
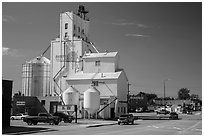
[36, 77]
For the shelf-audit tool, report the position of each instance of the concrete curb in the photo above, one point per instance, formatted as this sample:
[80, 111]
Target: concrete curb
[99, 125]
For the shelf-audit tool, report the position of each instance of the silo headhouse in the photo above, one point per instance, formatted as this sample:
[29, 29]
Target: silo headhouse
[81, 75]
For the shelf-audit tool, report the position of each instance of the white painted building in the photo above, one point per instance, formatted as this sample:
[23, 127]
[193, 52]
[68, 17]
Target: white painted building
[76, 62]
[101, 70]
[67, 50]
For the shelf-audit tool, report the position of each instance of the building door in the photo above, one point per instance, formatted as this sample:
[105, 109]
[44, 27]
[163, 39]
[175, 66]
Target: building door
[112, 112]
[26, 110]
[53, 107]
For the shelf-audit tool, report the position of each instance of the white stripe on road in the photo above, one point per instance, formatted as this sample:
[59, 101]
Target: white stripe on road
[155, 126]
[198, 129]
[197, 113]
[177, 128]
[187, 129]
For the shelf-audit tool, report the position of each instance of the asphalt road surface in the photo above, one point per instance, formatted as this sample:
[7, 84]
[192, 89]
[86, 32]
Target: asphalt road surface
[187, 125]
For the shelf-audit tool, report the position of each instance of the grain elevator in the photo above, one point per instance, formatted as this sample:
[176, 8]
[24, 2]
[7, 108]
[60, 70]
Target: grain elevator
[79, 74]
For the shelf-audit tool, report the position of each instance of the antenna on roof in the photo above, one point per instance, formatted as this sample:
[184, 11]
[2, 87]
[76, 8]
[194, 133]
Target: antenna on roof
[82, 12]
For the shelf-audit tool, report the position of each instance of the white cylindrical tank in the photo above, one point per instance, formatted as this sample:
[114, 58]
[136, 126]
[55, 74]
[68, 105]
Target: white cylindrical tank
[91, 100]
[26, 79]
[36, 77]
[71, 96]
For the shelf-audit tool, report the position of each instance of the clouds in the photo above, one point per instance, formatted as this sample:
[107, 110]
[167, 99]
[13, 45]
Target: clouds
[10, 52]
[11, 19]
[123, 22]
[8, 19]
[5, 50]
[137, 35]
[134, 25]
[20, 53]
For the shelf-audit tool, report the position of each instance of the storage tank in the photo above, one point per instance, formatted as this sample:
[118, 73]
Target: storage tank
[26, 79]
[71, 96]
[36, 77]
[91, 100]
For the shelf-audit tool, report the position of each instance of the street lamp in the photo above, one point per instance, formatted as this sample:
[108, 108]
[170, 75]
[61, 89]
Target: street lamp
[165, 89]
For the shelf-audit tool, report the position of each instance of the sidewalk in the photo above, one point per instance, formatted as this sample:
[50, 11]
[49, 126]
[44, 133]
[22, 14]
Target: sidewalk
[95, 122]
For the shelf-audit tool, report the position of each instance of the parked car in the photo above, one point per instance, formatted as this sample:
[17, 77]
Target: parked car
[163, 111]
[42, 117]
[138, 110]
[126, 119]
[173, 115]
[187, 111]
[64, 117]
[19, 116]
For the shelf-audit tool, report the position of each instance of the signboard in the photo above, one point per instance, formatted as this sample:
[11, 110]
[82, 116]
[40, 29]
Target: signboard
[20, 103]
[70, 57]
[70, 108]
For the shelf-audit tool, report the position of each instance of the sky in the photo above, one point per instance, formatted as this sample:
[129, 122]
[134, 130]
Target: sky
[155, 41]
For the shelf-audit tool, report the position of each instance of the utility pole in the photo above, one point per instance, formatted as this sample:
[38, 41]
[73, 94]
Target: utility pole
[128, 97]
[165, 90]
[164, 93]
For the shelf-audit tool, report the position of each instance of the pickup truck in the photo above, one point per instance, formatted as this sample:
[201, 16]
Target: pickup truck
[126, 119]
[64, 117]
[42, 117]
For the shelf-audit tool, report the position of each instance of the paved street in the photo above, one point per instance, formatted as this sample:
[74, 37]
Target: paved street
[187, 125]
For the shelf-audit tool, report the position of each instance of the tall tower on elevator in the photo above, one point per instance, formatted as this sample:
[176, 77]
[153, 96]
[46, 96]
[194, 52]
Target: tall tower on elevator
[68, 49]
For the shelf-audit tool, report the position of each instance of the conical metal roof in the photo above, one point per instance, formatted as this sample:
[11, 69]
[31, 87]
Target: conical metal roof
[92, 89]
[39, 59]
[70, 89]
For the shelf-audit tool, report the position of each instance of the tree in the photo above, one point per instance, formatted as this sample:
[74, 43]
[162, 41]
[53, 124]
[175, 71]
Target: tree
[150, 98]
[183, 93]
[194, 96]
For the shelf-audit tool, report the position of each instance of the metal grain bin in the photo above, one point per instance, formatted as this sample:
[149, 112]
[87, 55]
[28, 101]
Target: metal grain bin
[36, 77]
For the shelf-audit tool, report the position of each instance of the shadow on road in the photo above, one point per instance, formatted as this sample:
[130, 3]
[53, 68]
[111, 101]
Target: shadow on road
[129, 124]
[17, 130]
[155, 118]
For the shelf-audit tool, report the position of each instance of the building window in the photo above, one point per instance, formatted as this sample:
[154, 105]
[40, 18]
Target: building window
[78, 29]
[74, 27]
[82, 31]
[124, 110]
[42, 102]
[65, 35]
[97, 63]
[95, 83]
[66, 25]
